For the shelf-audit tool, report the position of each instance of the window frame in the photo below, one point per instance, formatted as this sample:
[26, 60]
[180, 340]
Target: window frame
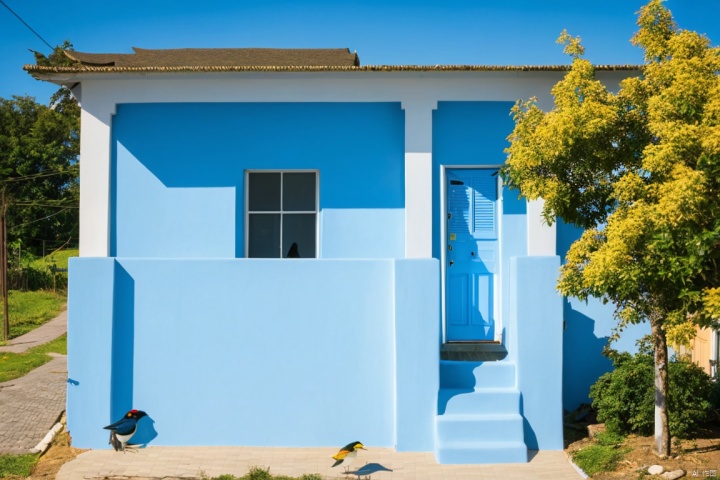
[281, 211]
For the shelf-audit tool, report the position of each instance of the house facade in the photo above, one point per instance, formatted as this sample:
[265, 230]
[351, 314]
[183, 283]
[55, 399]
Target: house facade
[285, 248]
[705, 349]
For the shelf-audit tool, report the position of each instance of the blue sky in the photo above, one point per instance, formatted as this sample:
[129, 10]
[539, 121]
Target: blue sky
[390, 32]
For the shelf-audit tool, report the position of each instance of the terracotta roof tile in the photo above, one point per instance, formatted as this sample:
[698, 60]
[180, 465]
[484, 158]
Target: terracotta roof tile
[220, 57]
[259, 60]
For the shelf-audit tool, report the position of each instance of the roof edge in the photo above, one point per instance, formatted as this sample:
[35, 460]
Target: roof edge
[47, 70]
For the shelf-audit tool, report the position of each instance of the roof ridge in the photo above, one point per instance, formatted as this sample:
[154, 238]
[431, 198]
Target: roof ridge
[220, 57]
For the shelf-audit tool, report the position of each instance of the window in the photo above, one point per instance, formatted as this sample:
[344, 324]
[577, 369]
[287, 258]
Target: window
[281, 214]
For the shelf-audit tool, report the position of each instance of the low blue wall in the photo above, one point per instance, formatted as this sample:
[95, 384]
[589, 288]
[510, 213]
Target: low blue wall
[536, 330]
[255, 352]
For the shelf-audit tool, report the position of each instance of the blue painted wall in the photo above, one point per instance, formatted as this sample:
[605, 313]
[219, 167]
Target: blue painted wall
[537, 314]
[145, 328]
[588, 326]
[472, 134]
[475, 134]
[179, 172]
[255, 352]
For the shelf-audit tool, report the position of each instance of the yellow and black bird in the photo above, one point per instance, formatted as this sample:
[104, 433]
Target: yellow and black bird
[347, 454]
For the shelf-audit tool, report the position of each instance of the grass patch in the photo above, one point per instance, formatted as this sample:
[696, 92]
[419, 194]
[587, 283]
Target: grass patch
[15, 365]
[257, 473]
[602, 456]
[59, 345]
[17, 465]
[29, 310]
[59, 259]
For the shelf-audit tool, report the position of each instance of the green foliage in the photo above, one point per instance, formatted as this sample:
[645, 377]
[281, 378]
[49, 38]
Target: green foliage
[16, 365]
[624, 398]
[57, 58]
[29, 272]
[29, 310]
[602, 456]
[39, 146]
[609, 439]
[58, 259]
[257, 473]
[17, 465]
[639, 171]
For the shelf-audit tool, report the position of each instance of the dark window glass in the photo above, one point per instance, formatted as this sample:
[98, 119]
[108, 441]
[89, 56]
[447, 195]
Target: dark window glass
[299, 229]
[299, 192]
[264, 238]
[276, 228]
[264, 192]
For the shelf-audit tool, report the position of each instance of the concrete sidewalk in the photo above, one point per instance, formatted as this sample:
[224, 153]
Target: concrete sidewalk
[44, 333]
[31, 405]
[377, 463]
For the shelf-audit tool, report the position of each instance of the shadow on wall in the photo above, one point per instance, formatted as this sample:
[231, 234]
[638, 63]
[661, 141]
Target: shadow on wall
[199, 149]
[456, 381]
[530, 437]
[145, 432]
[123, 344]
[123, 353]
[583, 361]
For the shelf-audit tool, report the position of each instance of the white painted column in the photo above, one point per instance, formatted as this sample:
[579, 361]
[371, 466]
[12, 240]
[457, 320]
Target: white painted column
[541, 237]
[418, 178]
[95, 153]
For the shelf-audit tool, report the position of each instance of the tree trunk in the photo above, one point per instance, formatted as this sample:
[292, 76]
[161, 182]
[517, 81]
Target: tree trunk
[662, 429]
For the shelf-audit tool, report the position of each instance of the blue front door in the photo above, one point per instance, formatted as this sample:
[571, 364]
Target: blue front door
[472, 253]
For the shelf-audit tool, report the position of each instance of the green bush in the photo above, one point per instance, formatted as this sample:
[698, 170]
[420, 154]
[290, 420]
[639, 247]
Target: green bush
[27, 272]
[257, 473]
[624, 398]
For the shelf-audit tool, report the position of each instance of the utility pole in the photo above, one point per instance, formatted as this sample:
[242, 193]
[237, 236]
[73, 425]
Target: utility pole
[4, 266]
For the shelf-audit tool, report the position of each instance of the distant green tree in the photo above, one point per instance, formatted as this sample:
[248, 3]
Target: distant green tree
[39, 148]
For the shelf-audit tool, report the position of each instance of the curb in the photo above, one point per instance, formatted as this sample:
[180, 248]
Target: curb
[45, 442]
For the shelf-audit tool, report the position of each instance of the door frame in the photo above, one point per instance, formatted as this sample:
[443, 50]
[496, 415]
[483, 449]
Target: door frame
[497, 281]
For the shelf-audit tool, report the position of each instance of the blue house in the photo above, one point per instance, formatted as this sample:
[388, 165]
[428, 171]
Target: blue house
[286, 248]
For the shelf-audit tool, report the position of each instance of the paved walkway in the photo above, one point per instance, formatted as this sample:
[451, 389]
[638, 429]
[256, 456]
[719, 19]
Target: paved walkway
[31, 405]
[43, 334]
[377, 463]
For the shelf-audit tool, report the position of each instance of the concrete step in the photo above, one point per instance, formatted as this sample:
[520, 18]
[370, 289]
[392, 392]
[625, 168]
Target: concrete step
[473, 351]
[481, 452]
[472, 375]
[479, 428]
[479, 401]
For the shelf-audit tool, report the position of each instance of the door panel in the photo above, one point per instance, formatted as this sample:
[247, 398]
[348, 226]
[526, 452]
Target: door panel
[472, 250]
[458, 300]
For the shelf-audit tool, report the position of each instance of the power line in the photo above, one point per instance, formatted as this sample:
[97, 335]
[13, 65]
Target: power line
[31, 176]
[45, 205]
[28, 26]
[41, 219]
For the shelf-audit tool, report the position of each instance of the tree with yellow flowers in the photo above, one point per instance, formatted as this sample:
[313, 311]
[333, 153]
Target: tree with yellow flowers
[639, 171]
